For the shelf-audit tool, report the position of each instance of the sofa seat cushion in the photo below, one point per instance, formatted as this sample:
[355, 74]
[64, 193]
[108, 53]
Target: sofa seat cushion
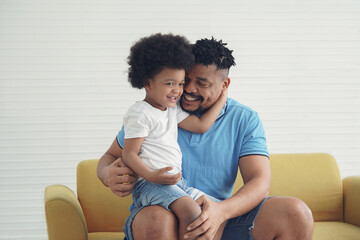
[106, 236]
[322, 231]
[335, 231]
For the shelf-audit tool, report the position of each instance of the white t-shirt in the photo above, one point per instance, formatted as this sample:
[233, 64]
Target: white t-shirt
[159, 130]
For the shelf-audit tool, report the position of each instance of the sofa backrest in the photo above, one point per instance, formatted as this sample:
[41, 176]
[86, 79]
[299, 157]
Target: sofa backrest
[103, 210]
[314, 178]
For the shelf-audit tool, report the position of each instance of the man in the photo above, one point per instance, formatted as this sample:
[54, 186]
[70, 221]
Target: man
[210, 163]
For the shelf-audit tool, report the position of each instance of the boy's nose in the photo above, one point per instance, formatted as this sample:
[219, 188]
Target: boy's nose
[177, 89]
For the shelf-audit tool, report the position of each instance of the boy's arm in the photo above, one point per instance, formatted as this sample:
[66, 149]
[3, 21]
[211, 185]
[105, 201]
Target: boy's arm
[114, 173]
[200, 125]
[132, 160]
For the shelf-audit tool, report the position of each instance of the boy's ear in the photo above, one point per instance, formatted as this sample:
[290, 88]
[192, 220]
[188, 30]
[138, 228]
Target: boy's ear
[148, 85]
[226, 83]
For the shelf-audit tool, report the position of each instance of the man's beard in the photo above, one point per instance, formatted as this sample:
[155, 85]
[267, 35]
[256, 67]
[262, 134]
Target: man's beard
[198, 111]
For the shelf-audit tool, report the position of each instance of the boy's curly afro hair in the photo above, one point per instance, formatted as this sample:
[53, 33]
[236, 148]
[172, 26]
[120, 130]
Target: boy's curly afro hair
[211, 51]
[151, 54]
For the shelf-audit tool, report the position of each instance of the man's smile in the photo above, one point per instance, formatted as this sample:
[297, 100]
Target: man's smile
[189, 98]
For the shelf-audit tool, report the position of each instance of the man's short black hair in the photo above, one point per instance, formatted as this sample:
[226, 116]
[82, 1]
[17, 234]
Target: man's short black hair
[150, 55]
[213, 52]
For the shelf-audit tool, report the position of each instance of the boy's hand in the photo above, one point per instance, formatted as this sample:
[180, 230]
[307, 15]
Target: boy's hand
[224, 94]
[159, 176]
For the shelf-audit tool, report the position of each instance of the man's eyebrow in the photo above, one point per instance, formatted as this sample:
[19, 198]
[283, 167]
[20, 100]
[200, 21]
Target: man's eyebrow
[202, 79]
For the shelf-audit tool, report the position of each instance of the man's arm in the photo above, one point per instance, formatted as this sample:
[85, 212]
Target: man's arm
[256, 174]
[113, 173]
[255, 170]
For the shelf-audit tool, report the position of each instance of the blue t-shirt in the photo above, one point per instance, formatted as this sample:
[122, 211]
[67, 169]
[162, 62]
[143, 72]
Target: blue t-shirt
[210, 160]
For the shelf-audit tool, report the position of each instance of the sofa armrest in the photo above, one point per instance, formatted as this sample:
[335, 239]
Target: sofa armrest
[351, 186]
[64, 216]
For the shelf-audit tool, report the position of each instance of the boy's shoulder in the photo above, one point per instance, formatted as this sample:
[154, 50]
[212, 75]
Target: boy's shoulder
[141, 107]
[136, 110]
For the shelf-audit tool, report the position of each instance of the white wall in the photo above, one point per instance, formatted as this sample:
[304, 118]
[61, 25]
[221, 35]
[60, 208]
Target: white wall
[63, 86]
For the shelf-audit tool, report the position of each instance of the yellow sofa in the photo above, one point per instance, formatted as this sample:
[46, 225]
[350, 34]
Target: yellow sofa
[99, 214]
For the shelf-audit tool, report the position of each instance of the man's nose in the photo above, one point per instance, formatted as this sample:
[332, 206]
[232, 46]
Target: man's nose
[189, 86]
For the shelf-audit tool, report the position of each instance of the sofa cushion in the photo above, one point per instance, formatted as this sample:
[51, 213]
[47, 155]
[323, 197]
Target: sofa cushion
[335, 231]
[322, 231]
[314, 178]
[106, 236]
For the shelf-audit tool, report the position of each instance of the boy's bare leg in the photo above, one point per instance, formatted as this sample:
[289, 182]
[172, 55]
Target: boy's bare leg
[187, 210]
[155, 223]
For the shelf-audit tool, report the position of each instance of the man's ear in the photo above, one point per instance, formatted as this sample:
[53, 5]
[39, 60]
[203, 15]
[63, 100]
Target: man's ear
[226, 83]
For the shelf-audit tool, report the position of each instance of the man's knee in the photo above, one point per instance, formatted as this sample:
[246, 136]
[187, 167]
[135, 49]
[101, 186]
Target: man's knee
[298, 211]
[302, 214]
[300, 221]
[154, 222]
[284, 216]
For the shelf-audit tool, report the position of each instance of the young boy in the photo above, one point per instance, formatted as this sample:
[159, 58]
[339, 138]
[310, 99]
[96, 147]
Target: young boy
[158, 64]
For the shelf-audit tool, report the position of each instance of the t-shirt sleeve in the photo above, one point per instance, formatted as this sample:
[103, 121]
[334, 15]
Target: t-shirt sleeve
[120, 137]
[180, 113]
[136, 123]
[254, 142]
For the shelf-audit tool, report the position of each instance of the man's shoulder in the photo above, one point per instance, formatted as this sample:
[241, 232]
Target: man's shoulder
[237, 108]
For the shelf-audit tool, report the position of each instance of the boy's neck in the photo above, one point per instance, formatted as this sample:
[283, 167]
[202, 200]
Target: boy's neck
[154, 104]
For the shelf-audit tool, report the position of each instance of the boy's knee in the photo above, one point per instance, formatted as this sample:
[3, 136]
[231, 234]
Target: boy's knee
[154, 222]
[192, 213]
[187, 210]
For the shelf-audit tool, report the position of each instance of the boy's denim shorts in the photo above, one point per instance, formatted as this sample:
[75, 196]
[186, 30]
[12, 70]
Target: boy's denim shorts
[146, 194]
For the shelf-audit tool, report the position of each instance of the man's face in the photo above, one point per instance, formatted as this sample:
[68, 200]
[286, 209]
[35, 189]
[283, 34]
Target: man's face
[203, 87]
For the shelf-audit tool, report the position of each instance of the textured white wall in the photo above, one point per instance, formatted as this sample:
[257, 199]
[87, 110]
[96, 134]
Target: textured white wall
[63, 87]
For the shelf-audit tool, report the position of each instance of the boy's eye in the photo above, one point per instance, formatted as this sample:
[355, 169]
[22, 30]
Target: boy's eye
[170, 83]
[181, 84]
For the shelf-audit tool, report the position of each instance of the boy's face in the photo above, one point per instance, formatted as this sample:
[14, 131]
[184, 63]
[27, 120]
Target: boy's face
[165, 88]
[203, 87]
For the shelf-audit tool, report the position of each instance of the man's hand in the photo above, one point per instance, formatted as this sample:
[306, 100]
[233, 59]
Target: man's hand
[121, 178]
[161, 177]
[208, 223]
